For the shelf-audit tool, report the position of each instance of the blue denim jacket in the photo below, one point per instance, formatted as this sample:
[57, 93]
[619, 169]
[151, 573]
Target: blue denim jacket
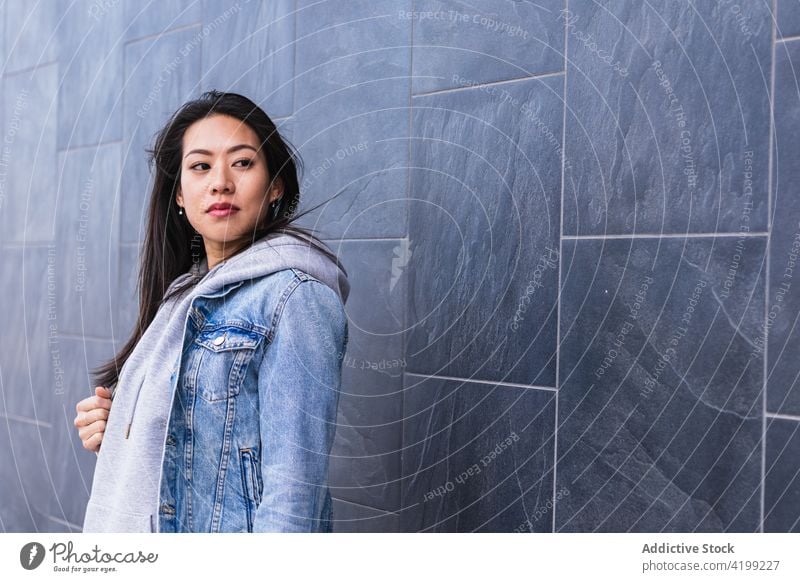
[254, 412]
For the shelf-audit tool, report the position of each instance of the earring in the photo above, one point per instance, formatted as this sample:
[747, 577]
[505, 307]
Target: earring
[180, 210]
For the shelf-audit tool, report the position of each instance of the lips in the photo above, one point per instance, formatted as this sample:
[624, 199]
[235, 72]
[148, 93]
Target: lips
[222, 209]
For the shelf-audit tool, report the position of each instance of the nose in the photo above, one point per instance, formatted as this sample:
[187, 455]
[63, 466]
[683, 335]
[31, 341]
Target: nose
[220, 181]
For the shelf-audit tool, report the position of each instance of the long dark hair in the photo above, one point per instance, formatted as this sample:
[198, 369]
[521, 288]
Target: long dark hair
[172, 245]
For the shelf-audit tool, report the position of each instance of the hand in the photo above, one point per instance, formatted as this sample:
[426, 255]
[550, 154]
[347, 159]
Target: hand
[91, 418]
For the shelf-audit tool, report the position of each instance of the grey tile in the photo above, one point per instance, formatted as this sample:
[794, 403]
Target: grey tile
[249, 49]
[31, 34]
[660, 407]
[782, 482]
[787, 17]
[30, 360]
[365, 463]
[477, 457]
[127, 299]
[26, 489]
[69, 466]
[458, 44]
[783, 390]
[484, 231]
[149, 18]
[161, 73]
[671, 136]
[352, 518]
[351, 116]
[31, 364]
[30, 112]
[90, 75]
[2, 41]
[88, 235]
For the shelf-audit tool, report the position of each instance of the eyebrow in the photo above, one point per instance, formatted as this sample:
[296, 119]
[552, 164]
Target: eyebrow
[235, 148]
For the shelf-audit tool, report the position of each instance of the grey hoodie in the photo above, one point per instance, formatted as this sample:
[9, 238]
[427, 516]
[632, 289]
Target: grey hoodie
[125, 487]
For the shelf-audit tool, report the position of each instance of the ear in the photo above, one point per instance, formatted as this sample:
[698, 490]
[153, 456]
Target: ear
[277, 190]
[179, 197]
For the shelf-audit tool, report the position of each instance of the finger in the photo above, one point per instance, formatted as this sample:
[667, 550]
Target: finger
[85, 404]
[93, 442]
[92, 432]
[92, 429]
[102, 392]
[101, 402]
[87, 418]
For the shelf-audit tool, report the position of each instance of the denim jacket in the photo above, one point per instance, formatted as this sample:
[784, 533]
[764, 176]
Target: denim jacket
[254, 412]
[225, 410]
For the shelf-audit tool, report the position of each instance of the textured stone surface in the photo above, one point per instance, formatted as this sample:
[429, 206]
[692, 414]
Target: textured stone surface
[788, 17]
[365, 466]
[69, 467]
[88, 231]
[146, 19]
[352, 110]
[485, 196]
[127, 298]
[28, 366]
[161, 73]
[783, 389]
[352, 518]
[782, 483]
[248, 48]
[457, 44]
[476, 457]
[29, 155]
[657, 139]
[660, 407]
[91, 74]
[30, 34]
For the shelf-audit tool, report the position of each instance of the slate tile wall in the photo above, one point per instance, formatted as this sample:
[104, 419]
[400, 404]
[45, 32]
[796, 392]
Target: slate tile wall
[571, 229]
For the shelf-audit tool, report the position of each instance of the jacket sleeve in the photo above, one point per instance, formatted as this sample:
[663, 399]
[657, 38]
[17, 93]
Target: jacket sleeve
[299, 381]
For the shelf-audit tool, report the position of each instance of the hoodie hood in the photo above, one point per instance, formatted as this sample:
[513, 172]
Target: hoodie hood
[267, 255]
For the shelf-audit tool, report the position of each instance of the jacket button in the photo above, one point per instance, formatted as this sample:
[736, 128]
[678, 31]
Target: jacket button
[170, 440]
[167, 509]
[219, 339]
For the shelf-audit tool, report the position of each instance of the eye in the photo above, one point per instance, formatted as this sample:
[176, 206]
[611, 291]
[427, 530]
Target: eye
[195, 166]
[247, 162]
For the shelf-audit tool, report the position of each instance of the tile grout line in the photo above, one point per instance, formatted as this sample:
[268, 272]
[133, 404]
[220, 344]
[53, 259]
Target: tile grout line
[31, 69]
[752, 234]
[383, 511]
[90, 146]
[294, 60]
[560, 261]
[26, 420]
[784, 38]
[765, 363]
[536, 76]
[162, 33]
[779, 416]
[476, 381]
[61, 521]
[401, 518]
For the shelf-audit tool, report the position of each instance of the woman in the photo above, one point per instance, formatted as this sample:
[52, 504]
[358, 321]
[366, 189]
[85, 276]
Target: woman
[224, 409]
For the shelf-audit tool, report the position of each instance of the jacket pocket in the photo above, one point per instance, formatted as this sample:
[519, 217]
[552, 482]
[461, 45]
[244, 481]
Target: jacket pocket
[223, 355]
[251, 483]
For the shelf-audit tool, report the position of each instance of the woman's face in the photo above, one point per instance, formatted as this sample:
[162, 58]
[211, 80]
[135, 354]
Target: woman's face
[224, 181]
